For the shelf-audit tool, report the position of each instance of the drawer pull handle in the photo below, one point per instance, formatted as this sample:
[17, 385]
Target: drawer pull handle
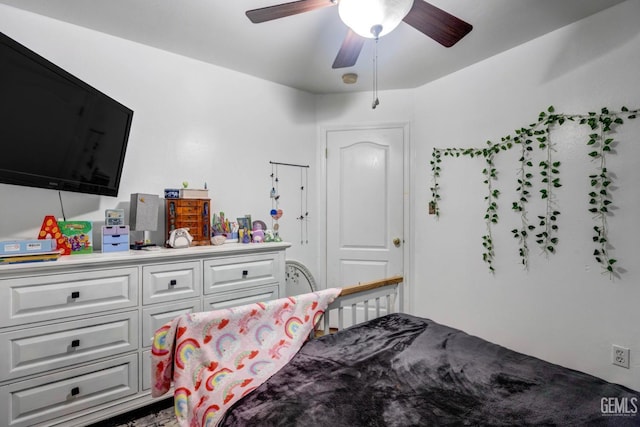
[75, 391]
[245, 273]
[75, 343]
[75, 294]
[173, 282]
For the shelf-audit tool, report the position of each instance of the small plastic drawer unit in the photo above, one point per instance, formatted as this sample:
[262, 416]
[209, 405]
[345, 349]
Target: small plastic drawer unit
[115, 238]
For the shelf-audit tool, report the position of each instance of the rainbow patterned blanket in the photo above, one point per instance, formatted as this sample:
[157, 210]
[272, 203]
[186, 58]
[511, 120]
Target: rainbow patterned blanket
[215, 358]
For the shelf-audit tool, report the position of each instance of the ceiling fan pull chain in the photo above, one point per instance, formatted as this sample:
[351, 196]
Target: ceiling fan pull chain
[301, 218]
[306, 205]
[376, 101]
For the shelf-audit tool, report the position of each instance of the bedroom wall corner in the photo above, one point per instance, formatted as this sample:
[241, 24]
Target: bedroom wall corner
[563, 309]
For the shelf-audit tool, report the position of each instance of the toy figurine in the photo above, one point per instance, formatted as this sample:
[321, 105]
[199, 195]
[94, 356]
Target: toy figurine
[268, 235]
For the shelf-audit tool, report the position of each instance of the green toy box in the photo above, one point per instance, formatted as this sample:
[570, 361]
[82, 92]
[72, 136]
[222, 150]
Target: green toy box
[77, 237]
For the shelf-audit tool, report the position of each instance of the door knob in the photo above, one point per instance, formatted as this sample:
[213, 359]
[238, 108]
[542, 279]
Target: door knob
[396, 242]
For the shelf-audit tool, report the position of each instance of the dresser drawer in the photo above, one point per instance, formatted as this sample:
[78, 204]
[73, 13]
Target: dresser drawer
[50, 297]
[44, 398]
[115, 230]
[155, 317]
[115, 239]
[189, 210]
[115, 247]
[228, 274]
[169, 282]
[181, 203]
[145, 382]
[36, 350]
[245, 296]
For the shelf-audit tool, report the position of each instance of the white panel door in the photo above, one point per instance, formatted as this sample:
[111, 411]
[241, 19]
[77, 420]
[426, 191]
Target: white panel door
[364, 205]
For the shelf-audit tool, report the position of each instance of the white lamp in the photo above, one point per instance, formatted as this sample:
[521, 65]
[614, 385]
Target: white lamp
[365, 17]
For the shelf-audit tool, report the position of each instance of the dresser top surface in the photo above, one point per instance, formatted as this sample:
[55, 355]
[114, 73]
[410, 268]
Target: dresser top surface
[133, 257]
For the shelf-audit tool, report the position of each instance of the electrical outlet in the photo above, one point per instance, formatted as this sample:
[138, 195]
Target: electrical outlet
[620, 356]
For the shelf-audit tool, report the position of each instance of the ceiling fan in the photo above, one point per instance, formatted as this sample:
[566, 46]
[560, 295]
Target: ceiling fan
[441, 26]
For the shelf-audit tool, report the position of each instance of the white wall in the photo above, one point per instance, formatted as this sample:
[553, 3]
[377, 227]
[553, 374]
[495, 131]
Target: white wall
[192, 121]
[563, 309]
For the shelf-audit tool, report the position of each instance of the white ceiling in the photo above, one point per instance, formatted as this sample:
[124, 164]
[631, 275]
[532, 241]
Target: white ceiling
[298, 51]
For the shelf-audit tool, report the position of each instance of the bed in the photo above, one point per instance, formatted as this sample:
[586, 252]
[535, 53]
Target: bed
[394, 369]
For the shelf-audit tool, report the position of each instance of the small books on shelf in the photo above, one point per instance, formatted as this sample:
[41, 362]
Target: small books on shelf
[30, 257]
[17, 251]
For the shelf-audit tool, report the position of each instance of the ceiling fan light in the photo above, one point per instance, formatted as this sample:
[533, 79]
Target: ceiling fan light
[363, 15]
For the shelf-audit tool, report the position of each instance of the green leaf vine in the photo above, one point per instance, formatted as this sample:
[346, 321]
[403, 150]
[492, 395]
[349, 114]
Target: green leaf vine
[550, 172]
[525, 175]
[434, 208]
[491, 216]
[538, 136]
[602, 142]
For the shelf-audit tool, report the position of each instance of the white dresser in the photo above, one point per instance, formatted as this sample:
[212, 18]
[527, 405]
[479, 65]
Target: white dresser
[75, 334]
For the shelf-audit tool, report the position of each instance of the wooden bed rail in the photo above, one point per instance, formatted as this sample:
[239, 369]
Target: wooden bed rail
[360, 287]
[358, 299]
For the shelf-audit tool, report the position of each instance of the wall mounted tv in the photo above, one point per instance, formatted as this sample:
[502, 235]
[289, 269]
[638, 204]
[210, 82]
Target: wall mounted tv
[57, 131]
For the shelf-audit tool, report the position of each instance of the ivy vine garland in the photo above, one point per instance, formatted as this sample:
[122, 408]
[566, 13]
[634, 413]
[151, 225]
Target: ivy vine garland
[538, 136]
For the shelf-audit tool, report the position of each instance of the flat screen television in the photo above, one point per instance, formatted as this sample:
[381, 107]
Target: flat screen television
[57, 131]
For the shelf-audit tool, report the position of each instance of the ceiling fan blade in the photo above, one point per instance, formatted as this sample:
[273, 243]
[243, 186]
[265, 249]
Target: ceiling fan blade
[349, 51]
[441, 26]
[286, 9]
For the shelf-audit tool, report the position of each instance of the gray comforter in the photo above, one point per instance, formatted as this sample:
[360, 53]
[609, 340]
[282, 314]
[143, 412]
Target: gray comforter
[401, 370]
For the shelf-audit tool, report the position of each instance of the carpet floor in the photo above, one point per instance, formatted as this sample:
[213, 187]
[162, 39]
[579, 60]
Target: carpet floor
[159, 414]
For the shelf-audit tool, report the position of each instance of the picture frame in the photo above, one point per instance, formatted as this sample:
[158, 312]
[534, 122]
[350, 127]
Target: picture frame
[244, 223]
